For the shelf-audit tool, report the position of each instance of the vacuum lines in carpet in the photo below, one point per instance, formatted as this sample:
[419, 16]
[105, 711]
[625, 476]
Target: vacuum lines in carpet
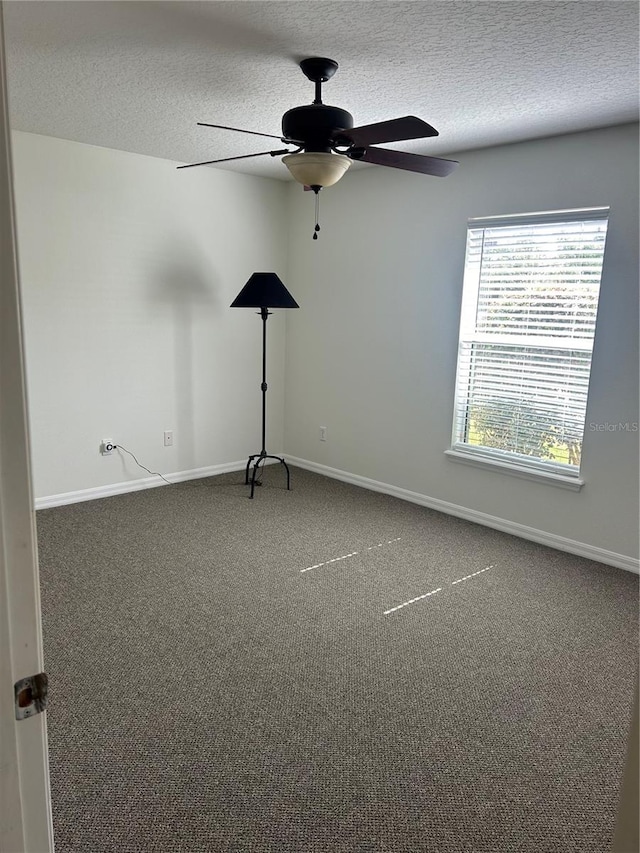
[404, 603]
[433, 592]
[353, 554]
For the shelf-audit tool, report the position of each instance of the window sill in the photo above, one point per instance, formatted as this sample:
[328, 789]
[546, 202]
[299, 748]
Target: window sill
[514, 470]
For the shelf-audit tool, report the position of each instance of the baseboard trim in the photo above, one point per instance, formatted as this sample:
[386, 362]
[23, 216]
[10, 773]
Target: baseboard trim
[560, 543]
[139, 484]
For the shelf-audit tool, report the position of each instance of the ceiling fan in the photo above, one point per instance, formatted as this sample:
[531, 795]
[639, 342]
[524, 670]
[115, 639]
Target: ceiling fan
[325, 142]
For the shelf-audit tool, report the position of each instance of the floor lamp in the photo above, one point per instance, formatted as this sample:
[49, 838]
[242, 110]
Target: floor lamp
[264, 290]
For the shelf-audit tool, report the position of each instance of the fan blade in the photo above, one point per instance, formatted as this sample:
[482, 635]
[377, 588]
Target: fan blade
[403, 160]
[394, 130]
[241, 157]
[237, 129]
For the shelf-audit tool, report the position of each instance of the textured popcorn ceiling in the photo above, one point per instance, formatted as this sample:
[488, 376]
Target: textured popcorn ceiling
[137, 76]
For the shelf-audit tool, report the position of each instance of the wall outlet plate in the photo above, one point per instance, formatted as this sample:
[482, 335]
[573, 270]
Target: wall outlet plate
[107, 447]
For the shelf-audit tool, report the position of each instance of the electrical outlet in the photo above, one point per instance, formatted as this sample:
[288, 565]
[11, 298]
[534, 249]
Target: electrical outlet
[168, 438]
[323, 433]
[107, 447]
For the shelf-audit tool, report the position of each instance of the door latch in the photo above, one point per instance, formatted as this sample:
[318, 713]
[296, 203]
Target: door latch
[31, 695]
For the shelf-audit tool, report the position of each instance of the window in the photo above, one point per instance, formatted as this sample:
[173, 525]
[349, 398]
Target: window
[529, 305]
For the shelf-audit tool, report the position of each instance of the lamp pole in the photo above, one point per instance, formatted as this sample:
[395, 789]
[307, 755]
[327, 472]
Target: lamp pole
[264, 313]
[259, 457]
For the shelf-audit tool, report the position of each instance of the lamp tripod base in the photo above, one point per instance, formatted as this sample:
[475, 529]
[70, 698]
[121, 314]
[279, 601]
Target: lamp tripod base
[260, 457]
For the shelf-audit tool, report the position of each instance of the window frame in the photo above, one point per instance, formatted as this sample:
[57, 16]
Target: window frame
[509, 462]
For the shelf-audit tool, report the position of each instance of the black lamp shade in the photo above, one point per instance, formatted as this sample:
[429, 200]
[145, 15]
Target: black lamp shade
[264, 290]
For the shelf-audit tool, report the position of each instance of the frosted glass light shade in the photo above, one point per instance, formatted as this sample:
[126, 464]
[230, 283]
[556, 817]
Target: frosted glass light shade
[316, 168]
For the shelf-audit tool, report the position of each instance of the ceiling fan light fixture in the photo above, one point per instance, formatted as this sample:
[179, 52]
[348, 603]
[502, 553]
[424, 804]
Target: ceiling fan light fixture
[317, 168]
[319, 131]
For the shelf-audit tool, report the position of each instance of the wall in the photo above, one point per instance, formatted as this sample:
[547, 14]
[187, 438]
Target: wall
[128, 268]
[372, 354]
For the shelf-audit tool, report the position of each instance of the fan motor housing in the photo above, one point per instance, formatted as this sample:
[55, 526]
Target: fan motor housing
[315, 125]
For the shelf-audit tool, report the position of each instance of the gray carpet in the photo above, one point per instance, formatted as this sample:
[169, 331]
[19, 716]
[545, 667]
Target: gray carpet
[207, 694]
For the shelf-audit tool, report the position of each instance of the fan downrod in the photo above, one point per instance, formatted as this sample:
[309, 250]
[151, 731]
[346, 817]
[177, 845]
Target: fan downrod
[318, 69]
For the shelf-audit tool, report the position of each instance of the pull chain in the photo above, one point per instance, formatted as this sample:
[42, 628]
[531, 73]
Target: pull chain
[317, 228]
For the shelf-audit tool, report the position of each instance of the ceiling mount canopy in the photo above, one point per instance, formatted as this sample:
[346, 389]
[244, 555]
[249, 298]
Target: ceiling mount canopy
[318, 69]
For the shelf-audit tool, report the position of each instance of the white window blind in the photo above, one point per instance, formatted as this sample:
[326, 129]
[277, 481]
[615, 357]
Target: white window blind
[529, 307]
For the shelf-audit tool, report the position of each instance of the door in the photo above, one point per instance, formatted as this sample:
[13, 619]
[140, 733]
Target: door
[25, 811]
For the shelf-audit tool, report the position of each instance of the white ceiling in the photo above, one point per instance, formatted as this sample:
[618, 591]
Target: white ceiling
[137, 76]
